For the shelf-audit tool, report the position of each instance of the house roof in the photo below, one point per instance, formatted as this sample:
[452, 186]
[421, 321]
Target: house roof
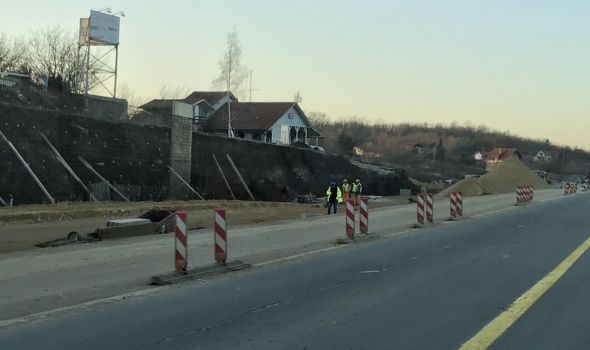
[159, 104]
[211, 97]
[501, 153]
[252, 115]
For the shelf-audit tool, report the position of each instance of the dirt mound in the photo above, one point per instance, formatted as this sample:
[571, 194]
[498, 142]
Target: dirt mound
[508, 175]
[503, 178]
[469, 187]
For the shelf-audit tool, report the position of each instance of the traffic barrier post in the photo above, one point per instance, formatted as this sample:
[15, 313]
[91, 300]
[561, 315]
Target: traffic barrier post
[429, 208]
[350, 224]
[364, 215]
[524, 194]
[421, 205]
[180, 243]
[220, 236]
[456, 205]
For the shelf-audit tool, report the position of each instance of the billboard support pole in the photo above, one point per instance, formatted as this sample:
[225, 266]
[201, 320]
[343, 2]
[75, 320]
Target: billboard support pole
[116, 70]
[86, 88]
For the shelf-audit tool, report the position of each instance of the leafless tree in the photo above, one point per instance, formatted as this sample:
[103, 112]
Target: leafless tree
[53, 53]
[178, 92]
[126, 92]
[12, 54]
[232, 73]
[320, 120]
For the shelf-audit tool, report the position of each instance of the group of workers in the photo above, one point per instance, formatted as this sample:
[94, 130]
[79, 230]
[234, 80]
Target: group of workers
[336, 195]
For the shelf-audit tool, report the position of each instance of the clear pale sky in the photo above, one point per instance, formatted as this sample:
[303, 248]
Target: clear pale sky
[521, 66]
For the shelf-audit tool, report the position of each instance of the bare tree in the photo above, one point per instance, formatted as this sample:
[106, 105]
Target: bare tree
[127, 93]
[12, 54]
[53, 53]
[232, 73]
[320, 120]
[178, 92]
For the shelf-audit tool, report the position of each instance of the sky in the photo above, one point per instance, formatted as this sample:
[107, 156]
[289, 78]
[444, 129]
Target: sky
[517, 66]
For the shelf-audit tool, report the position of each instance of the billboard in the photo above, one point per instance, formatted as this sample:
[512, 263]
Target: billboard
[103, 29]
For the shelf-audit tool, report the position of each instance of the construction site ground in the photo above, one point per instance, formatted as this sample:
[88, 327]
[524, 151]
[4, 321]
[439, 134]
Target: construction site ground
[40, 280]
[24, 226]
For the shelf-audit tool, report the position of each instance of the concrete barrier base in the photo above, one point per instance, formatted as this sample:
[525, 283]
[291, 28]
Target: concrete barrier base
[175, 277]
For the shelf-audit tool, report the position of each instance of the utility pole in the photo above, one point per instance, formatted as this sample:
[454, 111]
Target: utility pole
[250, 100]
[298, 98]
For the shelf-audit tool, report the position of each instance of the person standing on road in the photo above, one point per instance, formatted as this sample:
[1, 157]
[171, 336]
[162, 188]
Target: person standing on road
[345, 190]
[334, 197]
[357, 190]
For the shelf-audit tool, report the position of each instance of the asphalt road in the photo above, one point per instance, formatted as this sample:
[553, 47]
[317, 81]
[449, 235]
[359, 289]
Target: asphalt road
[434, 288]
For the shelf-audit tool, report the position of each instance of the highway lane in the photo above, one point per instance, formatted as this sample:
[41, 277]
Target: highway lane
[432, 289]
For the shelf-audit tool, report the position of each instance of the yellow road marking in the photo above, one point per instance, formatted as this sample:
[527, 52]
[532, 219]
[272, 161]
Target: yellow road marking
[493, 330]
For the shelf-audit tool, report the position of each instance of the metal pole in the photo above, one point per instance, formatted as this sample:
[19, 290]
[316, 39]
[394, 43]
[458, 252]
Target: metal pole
[22, 160]
[184, 182]
[86, 164]
[116, 69]
[87, 88]
[223, 176]
[231, 162]
[68, 168]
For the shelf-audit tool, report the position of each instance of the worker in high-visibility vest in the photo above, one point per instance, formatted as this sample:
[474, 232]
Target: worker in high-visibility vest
[357, 190]
[334, 197]
[345, 190]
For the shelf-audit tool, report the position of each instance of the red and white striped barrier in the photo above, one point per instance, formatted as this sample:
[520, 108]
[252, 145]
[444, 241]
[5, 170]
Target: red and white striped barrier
[350, 225]
[180, 243]
[429, 208]
[456, 205]
[524, 194]
[220, 236]
[421, 213]
[364, 215]
[570, 188]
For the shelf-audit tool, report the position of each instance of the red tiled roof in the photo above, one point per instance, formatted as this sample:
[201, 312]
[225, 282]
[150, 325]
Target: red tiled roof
[501, 153]
[249, 116]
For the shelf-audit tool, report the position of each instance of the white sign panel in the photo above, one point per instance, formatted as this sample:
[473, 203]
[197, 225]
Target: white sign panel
[83, 38]
[104, 28]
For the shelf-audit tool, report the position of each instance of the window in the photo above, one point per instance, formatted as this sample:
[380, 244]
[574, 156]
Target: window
[291, 115]
[196, 110]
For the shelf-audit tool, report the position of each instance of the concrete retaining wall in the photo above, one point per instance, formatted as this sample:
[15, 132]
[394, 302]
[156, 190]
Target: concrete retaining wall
[134, 158]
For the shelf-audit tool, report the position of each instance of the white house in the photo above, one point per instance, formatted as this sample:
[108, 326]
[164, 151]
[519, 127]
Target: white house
[271, 122]
[542, 157]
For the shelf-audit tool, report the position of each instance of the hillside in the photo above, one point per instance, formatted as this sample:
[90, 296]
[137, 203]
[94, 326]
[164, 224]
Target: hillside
[448, 151]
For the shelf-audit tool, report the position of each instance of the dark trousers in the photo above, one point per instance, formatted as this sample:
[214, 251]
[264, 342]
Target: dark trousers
[331, 204]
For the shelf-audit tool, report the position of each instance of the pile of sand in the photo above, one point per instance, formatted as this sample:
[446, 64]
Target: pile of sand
[469, 187]
[503, 178]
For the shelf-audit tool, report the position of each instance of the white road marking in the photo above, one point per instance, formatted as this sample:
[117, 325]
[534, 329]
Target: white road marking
[45, 314]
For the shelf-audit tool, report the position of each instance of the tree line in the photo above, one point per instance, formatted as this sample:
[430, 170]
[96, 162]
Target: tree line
[50, 53]
[448, 144]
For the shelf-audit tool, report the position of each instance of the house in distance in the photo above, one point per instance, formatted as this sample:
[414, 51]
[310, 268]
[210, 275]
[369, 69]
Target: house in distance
[282, 123]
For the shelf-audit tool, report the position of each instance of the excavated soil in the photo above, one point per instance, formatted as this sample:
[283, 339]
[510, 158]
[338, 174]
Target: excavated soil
[502, 178]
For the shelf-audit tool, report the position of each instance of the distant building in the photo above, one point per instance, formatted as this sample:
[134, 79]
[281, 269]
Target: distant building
[541, 156]
[272, 122]
[478, 156]
[499, 154]
[202, 105]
